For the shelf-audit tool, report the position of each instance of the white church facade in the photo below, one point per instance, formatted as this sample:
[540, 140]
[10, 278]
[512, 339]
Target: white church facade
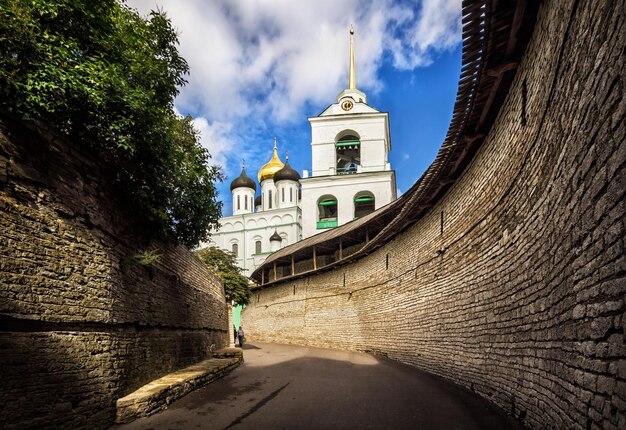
[350, 177]
[263, 224]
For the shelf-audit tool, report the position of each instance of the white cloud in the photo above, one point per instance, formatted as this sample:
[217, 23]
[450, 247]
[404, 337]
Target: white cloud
[437, 27]
[216, 137]
[260, 61]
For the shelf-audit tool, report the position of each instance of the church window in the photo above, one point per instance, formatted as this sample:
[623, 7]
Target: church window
[235, 250]
[245, 202]
[282, 192]
[257, 247]
[269, 200]
[327, 212]
[364, 203]
[291, 195]
[238, 202]
[348, 154]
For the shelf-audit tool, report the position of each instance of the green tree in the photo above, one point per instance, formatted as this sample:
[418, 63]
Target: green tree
[236, 285]
[99, 73]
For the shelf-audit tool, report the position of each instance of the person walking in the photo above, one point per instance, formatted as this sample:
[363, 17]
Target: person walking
[234, 334]
[240, 335]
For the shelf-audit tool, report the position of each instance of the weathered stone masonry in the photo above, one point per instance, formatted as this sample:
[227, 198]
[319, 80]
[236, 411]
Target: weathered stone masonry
[80, 324]
[519, 293]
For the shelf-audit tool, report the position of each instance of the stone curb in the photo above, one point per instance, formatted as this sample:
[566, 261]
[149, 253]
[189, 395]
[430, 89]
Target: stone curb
[158, 394]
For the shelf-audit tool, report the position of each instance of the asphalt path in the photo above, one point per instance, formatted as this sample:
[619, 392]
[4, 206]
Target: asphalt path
[295, 387]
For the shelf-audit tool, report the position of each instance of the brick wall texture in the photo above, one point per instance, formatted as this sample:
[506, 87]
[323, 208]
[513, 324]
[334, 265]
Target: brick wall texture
[81, 325]
[525, 305]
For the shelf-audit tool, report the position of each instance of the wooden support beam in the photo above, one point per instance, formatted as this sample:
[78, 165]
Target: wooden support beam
[471, 139]
[500, 69]
[314, 257]
[340, 249]
[446, 181]
[510, 49]
[518, 19]
[490, 98]
[262, 277]
[355, 236]
[275, 274]
[293, 265]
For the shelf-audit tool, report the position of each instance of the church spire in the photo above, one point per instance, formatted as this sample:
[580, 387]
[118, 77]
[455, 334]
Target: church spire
[352, 73]
[352, 91]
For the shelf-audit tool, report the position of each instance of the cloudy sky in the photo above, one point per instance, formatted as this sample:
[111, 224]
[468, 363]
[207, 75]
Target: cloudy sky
[259, 68]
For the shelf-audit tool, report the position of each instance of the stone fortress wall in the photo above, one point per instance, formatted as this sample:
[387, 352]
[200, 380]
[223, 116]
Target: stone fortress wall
[514, 283]
[81, 324]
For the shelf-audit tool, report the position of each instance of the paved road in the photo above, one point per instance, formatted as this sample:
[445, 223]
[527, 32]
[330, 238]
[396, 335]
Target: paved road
[292, 387]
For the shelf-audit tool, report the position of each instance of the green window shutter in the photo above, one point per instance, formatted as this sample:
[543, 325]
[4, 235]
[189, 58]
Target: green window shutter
[328, 203]
[364, 199]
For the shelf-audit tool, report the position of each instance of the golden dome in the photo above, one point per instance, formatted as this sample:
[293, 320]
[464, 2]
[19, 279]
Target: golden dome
[271, 167]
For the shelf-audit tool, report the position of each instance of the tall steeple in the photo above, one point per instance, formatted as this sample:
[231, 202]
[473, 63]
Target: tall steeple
[352, 91]
[352, 73]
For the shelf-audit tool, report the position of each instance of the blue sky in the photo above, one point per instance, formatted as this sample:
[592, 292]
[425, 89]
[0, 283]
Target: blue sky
[259, 68]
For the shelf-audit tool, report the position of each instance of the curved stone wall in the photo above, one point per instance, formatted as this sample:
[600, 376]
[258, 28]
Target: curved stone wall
[82, 323]
[513, 284]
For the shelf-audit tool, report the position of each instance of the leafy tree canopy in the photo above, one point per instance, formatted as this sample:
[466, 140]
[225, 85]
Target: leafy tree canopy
[236, 285]
[102, 75]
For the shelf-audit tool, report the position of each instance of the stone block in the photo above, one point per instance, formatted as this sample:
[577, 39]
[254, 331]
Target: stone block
[158, 394]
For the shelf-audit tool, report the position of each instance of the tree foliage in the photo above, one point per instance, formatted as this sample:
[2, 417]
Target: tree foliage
[224, 264]
[105, 77]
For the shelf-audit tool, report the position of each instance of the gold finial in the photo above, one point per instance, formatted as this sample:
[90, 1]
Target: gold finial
[352, 74]
[272, 166]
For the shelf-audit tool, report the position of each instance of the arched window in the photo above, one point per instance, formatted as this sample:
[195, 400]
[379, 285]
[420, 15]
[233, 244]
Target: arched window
[282, 192]
[257, 247]
[245, 202]
[269, 204]
[364, 203]
[327, 212]
[348, 154]
[235, 250]
[238, 202]
[290, 195]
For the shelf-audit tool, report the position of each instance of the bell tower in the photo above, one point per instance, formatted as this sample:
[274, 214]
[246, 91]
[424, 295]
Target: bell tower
[351, 174]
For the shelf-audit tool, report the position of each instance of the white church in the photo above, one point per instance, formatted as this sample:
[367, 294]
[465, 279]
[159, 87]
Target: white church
[350, 177]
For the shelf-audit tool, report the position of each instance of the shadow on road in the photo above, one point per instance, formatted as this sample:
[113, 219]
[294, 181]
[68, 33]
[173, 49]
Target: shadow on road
[249, 346]
[292, 387]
